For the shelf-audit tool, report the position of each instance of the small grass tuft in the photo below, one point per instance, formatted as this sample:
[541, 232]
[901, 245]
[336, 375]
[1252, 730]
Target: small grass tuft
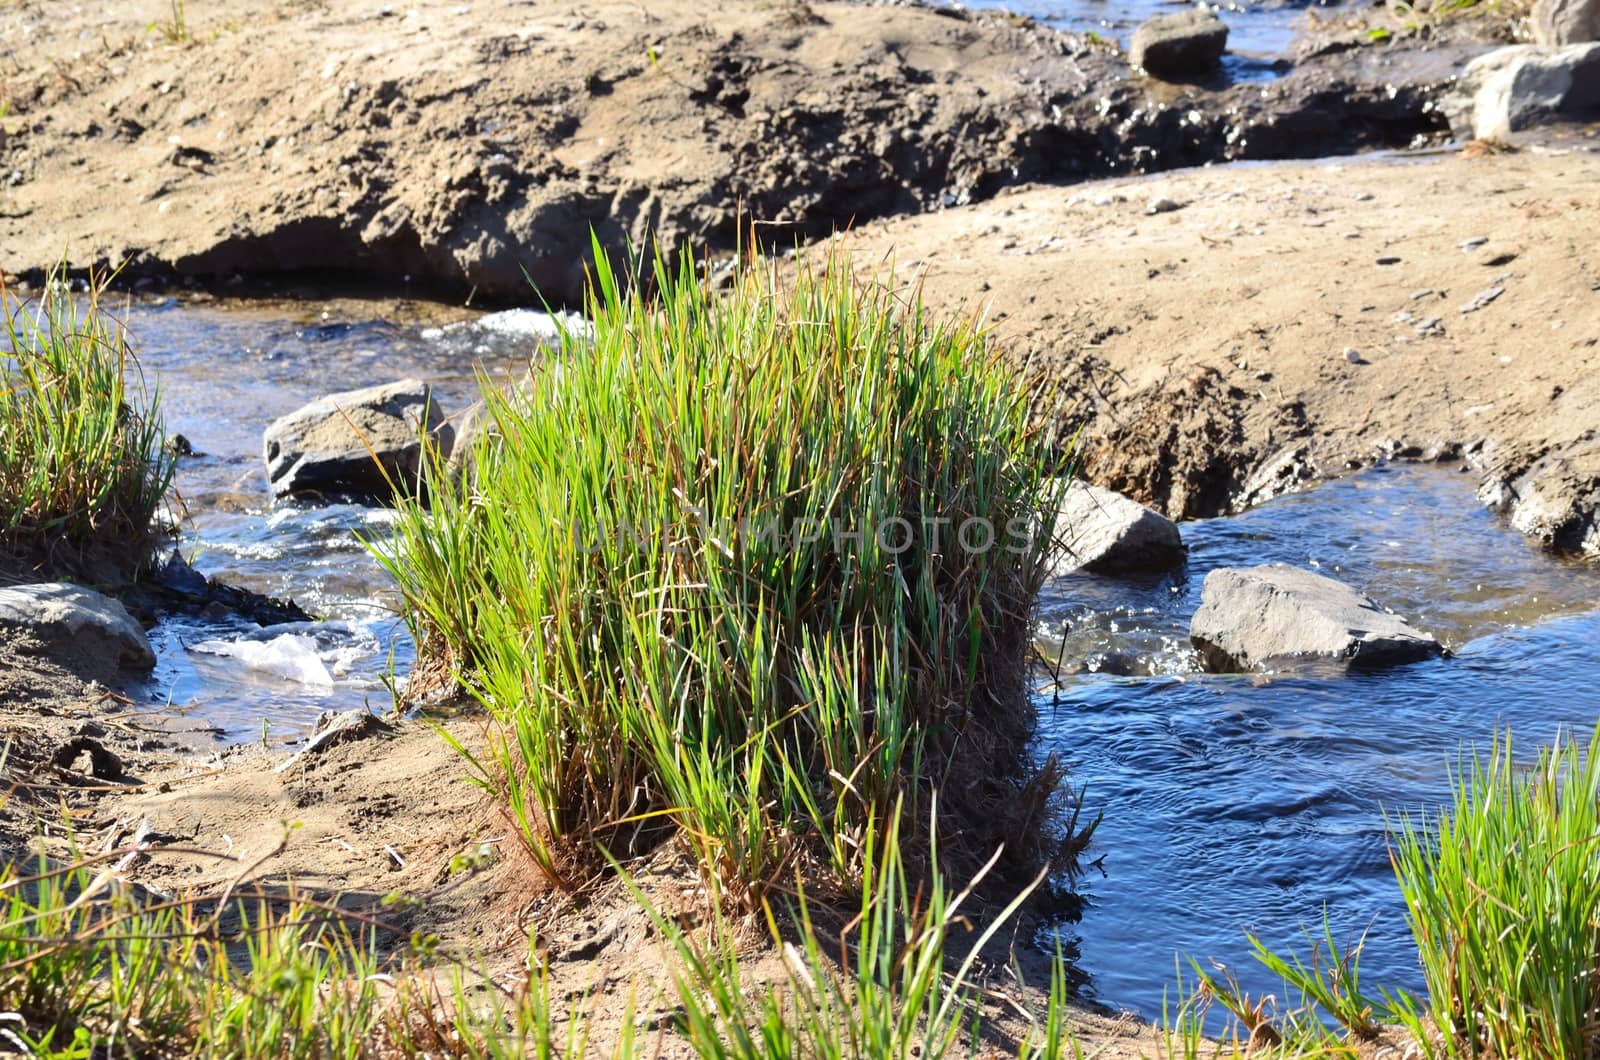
[84, 470]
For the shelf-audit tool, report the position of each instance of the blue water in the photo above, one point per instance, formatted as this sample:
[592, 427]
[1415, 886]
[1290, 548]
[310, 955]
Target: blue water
[1259, 33]
[1231, 803]
[224, 375]
[1245, 803]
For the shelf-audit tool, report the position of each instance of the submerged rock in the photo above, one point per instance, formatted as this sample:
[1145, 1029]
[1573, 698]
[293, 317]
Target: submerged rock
[1277, 616]
[1181, 46]
[1559, 22]
[79, 626]
[360, 443]
[1515, 88]
[1103, 531]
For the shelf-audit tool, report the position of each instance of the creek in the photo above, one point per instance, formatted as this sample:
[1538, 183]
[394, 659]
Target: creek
[1231, 803]
[1254, 803]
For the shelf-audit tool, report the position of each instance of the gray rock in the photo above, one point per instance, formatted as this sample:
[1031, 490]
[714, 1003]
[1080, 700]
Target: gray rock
[1103, 531]
[1281, 617]
[1561, 22]
[1179, 47]
[328, 446]
[1517, 87]
[76, 625]
[1555, 500]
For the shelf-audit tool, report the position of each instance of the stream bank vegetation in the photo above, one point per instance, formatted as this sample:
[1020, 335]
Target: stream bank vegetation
[747, 569]
[84, 468]
[832, 727]
[1502, 892]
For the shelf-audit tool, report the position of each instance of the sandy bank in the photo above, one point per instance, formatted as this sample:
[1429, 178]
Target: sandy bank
[1280, 323]
[464, 144]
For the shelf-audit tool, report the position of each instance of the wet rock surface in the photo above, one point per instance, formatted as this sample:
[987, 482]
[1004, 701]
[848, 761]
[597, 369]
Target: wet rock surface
[87, 630]
[1555, 499]
[360, 443]
[477, 152]
[1104, 532]
[1184, 46]
[1277, 617]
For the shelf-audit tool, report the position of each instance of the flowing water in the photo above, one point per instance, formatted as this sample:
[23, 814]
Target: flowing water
[1237, 803]
[224, 375]
[1260, 32]
[1230, 803]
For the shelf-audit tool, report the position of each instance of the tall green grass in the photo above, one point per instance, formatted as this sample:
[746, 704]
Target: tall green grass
[894, 990]
[665, 575]
[83, 468]
[89, 967]
[1503, 896]
[1502, 892]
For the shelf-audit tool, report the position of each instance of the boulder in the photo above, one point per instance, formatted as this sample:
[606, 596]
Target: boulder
[361, 443]
[76, 625]
[1102, 531]
[1555, 500]
[1281, 617]
[1514, 88]
[1179, 47]
[1561, 22]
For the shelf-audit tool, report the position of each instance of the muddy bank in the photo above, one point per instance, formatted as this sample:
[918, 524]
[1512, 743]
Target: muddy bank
[386, 827]
[463, 145]
[1277, 324]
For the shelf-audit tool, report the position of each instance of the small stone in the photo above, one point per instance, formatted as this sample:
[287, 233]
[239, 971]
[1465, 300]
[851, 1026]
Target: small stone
[1483, 298]
[1420, 293]
[77, 624]
[1473, 243]
[1388, 259]
[1352, 355]
[361, 443]
[1163, 204]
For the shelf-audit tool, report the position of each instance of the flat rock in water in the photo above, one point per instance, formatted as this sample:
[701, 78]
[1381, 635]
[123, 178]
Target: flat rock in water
[1281, 617]
[360, 443]
[1181, 46]
[1517, 87]
[1103, 531]
[76, 625]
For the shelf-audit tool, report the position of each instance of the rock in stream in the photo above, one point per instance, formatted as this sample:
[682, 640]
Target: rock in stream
[1281, 617]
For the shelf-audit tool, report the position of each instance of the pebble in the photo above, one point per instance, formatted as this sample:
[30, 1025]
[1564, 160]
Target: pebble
[1163, 205]
[1431, 326]
[1405, 316]
[1469, 245]
[1352, 355]
[1389, 260]
[1420, 293]
[1483, 298]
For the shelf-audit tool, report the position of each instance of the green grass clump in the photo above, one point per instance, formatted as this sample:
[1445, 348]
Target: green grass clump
[666, 579]
[897, 992]
[88, 967]
[1502, 891]
[83, 468]
[1503, 897]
